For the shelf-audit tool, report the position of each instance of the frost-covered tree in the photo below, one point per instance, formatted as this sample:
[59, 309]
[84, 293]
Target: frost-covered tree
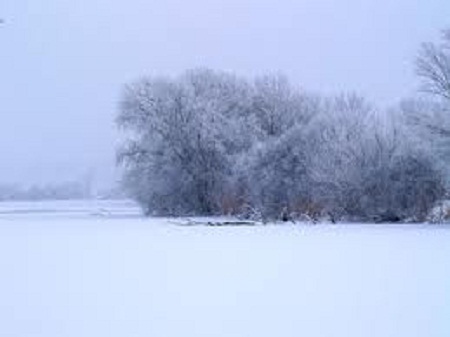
[271, 176]
[274, 173]
[184, 134]
[366, 167]
[338, 140]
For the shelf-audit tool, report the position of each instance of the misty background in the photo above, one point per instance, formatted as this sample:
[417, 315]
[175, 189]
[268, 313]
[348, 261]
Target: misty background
[63, 63]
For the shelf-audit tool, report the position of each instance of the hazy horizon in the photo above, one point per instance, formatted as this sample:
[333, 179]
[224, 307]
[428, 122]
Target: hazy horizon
[64, 63]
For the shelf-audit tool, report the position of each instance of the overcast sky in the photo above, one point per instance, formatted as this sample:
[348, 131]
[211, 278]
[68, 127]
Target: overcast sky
[63, 62]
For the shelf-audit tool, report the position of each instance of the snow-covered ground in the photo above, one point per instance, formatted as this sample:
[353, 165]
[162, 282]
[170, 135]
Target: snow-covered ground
[100, 270]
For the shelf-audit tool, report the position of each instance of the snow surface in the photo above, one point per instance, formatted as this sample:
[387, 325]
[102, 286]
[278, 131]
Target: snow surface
[99, 269]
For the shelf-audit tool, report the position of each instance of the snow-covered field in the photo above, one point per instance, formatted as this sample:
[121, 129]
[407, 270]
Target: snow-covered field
[100, 270]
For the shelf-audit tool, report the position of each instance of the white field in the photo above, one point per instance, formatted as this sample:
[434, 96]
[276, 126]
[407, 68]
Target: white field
[82, 269]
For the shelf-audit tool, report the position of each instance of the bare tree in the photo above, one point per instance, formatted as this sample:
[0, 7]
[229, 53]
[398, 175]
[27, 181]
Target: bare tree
[433, 66]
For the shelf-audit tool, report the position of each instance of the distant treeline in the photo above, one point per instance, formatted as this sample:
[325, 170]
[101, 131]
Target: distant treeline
[61, 191]
[56, 191]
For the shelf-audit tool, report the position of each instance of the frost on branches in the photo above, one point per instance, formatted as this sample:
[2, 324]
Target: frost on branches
[212, 143]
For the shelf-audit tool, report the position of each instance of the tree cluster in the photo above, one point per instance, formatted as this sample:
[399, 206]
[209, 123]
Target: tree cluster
[209, 142]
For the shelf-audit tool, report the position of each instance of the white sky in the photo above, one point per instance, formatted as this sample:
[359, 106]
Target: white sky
[63, 62]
